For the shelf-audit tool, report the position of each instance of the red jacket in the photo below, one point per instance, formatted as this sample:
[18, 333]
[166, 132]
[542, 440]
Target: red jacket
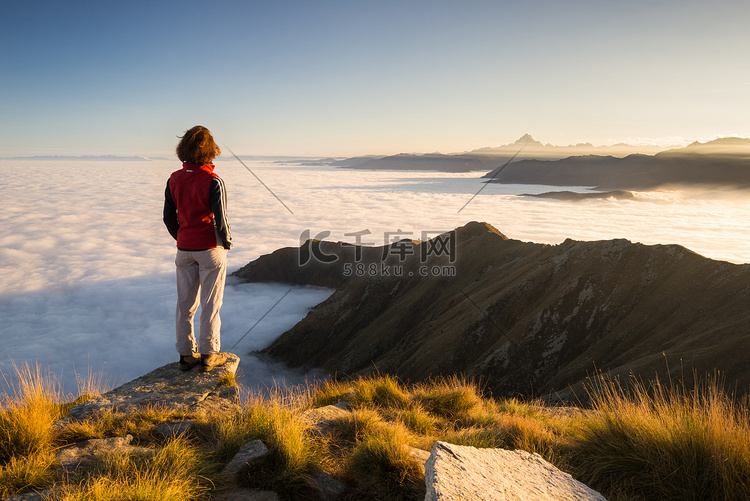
[195, 203]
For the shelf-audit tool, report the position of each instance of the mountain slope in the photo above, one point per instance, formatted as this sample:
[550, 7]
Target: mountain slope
[524, 317]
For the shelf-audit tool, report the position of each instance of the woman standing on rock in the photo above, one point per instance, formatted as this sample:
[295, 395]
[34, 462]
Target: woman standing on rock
[195, 204]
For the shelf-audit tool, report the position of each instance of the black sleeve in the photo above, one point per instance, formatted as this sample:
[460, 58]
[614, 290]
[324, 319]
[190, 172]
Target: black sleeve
[170, 213]
[219, 208]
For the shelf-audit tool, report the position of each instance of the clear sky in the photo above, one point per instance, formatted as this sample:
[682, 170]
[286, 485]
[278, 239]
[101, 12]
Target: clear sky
[329, 77]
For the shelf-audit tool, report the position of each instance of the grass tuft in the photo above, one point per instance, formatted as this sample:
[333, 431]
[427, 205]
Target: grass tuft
[383, 392]
[21, 474]
[330, 393]
[227, 379]
[293, 456]
[349, 430]
[452, 398]
[177, 471]
[419, 421]
[665, 442]
[27, 414]
[384, 468]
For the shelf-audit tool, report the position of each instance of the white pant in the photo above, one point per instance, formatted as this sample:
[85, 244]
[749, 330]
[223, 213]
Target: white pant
[204, 272]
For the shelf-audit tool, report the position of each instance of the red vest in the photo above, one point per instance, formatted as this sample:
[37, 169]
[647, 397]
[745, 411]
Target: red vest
[190, 189]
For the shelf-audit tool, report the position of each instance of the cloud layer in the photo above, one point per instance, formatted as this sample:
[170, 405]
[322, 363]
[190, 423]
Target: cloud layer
[86, 265]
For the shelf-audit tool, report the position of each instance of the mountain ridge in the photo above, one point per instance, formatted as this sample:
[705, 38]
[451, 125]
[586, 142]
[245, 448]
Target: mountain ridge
[526, 147]
[722, 162]
[525, 318]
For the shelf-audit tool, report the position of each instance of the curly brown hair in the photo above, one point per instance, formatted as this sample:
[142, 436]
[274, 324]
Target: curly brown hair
[197, 146]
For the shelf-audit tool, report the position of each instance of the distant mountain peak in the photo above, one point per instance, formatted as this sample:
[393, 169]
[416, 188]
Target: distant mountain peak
[527, 140]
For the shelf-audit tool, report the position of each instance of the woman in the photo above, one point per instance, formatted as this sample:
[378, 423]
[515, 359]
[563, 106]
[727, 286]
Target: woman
[195, 215]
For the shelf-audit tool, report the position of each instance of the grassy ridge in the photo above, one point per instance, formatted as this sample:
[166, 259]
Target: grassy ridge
[643, 442]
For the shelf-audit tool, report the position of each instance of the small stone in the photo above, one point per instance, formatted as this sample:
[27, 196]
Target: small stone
[174, 428]
[321, 420]
[328, 487]
[344, 406]
[249, 452]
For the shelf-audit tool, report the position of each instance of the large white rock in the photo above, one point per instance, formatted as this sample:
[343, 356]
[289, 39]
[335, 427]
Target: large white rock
[456, 472]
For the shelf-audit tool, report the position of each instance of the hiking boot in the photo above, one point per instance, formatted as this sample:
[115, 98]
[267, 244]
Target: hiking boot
[187, 363]
[208, 362]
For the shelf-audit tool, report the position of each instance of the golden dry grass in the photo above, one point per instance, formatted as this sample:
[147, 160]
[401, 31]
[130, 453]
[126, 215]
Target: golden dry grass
[664, 442]
[639, 442]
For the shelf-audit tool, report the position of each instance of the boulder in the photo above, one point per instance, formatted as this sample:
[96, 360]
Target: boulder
[168, 388]
[467, 473]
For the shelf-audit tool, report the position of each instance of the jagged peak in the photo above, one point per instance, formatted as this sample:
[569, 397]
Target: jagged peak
[527, 140]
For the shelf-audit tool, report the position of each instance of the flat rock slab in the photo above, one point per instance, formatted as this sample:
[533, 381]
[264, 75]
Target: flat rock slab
[166, 387]
[467, 473]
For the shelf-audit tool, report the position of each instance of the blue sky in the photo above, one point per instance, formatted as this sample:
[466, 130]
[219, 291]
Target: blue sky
[354, 77]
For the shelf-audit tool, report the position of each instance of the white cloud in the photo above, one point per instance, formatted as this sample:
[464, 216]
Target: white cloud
[86, 265]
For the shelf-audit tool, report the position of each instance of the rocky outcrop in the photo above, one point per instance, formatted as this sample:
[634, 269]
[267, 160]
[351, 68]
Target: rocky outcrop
[471, 474]
[169, 388]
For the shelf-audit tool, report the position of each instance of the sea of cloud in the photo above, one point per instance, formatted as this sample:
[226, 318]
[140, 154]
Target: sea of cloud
[86, 265]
